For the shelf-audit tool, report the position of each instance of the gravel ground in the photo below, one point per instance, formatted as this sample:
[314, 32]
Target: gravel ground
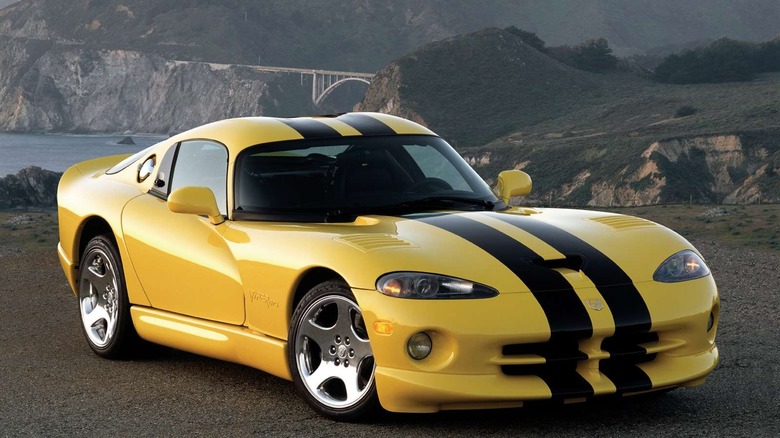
[52, 385]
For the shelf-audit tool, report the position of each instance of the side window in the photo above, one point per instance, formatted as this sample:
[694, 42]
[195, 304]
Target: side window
[202, 163]
[161, 185]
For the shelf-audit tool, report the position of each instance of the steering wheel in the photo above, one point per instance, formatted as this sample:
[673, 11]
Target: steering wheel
[428, 185]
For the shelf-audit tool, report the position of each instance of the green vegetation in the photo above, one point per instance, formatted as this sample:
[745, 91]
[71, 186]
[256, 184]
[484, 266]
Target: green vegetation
[27, 231]
[529, 38]
[752, 226]
[725, 60]
[592, 54]
[685, 111]
[477, 87]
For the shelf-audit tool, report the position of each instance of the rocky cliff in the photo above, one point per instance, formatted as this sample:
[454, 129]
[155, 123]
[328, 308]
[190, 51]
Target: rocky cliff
[730, 169]
[66, 88]
[30, 187]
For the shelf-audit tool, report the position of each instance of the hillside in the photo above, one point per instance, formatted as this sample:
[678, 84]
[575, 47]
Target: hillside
[366, 34]
[597, 139]
[477, 87]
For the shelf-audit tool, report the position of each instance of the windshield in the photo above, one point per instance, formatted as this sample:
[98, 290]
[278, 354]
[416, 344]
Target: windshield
[335, 179]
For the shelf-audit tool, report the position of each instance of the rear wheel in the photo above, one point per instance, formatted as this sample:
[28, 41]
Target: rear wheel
[330, 355]
[103, 304]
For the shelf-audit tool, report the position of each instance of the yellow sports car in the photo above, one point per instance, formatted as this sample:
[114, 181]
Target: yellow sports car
[362, 258]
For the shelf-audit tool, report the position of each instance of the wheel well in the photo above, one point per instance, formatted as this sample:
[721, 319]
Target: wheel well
[310, 279]
[93, 226]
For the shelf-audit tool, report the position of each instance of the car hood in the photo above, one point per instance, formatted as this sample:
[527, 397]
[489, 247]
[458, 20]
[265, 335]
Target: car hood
[519, 250]
[513, 251]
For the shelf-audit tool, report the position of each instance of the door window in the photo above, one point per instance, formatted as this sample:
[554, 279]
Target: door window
[202, 163]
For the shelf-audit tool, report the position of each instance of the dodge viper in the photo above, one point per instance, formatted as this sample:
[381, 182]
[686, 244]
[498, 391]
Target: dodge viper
[362, 258]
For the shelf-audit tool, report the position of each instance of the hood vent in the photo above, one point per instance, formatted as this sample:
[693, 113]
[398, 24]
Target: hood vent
[621, 222]
[374, 242]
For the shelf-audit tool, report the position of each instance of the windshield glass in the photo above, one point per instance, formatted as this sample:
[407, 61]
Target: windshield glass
[334, 179]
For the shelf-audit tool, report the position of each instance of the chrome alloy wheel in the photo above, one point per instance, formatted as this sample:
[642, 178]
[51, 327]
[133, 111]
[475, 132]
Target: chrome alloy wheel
[99, 298]
[332, 352]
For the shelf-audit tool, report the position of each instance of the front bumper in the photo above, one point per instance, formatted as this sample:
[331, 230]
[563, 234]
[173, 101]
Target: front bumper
[485, 354]
[421, 391]
[68, 268]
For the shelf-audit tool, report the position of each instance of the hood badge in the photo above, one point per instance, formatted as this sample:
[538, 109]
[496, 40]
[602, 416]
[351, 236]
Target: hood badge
[595, 304]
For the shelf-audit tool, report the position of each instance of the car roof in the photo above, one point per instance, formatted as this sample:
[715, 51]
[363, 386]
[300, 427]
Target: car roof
[240, 133]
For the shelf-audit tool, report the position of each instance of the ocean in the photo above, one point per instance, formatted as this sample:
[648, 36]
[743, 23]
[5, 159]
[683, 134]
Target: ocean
[57, 152]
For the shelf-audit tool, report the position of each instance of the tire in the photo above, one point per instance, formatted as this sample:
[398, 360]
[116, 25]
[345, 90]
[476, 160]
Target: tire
[104, 308]
[330, 355]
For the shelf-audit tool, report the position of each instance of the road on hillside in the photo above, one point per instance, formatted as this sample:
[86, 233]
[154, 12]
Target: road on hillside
[51, 384]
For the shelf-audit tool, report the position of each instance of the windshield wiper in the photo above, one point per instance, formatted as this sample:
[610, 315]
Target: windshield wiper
[446, 201]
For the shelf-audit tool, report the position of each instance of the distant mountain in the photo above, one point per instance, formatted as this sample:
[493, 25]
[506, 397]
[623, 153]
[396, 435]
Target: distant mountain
[474, 88]
[367, 34]
[588, 138]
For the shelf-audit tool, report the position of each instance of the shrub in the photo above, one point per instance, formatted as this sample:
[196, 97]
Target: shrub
[593, 54]
[683, 111]
[529, 38]
[725, 60]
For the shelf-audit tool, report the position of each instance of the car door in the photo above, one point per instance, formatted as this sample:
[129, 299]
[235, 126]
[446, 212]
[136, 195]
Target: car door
[182, 260]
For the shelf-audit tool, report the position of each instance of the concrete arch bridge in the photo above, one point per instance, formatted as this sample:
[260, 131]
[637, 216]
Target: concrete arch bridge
[323, 81]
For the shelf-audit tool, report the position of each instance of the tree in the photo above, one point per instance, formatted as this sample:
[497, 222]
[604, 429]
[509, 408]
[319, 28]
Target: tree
[529, 38]
[724, 60]
[594, 54]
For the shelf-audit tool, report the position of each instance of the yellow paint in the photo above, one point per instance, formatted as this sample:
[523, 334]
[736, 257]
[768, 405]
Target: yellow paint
[226, 290]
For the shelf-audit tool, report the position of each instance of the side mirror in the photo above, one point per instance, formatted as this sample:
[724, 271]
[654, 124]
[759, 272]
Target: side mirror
[513, 183]
[195, 200]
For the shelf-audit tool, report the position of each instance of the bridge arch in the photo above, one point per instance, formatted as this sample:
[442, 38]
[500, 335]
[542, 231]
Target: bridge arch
[323, 81]
[319, 97]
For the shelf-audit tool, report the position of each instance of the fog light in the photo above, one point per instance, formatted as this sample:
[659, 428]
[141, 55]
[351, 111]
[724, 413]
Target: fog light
[711, 321]
[419, 346]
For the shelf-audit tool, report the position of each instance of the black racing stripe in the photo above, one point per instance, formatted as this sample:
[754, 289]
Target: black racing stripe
[310, 129]
[559, 371]
[625, 353]
[564, 310]
[563, 379]
[627, 378]
[366, 125]
[624, 300]
[566, 384]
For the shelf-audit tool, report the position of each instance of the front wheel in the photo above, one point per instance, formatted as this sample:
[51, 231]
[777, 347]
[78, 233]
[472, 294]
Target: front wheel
[103, 304]
[330, 355]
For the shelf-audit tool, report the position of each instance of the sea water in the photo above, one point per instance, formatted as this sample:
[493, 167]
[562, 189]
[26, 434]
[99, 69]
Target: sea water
[58, 152]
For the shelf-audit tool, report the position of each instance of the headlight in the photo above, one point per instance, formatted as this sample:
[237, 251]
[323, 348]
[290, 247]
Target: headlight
[420, 285]
[685, 265]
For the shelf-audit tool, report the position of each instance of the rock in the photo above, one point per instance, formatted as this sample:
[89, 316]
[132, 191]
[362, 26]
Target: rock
[30, 187]
[713, 212]
[126, 140]
[22, 219]
[69, 88]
